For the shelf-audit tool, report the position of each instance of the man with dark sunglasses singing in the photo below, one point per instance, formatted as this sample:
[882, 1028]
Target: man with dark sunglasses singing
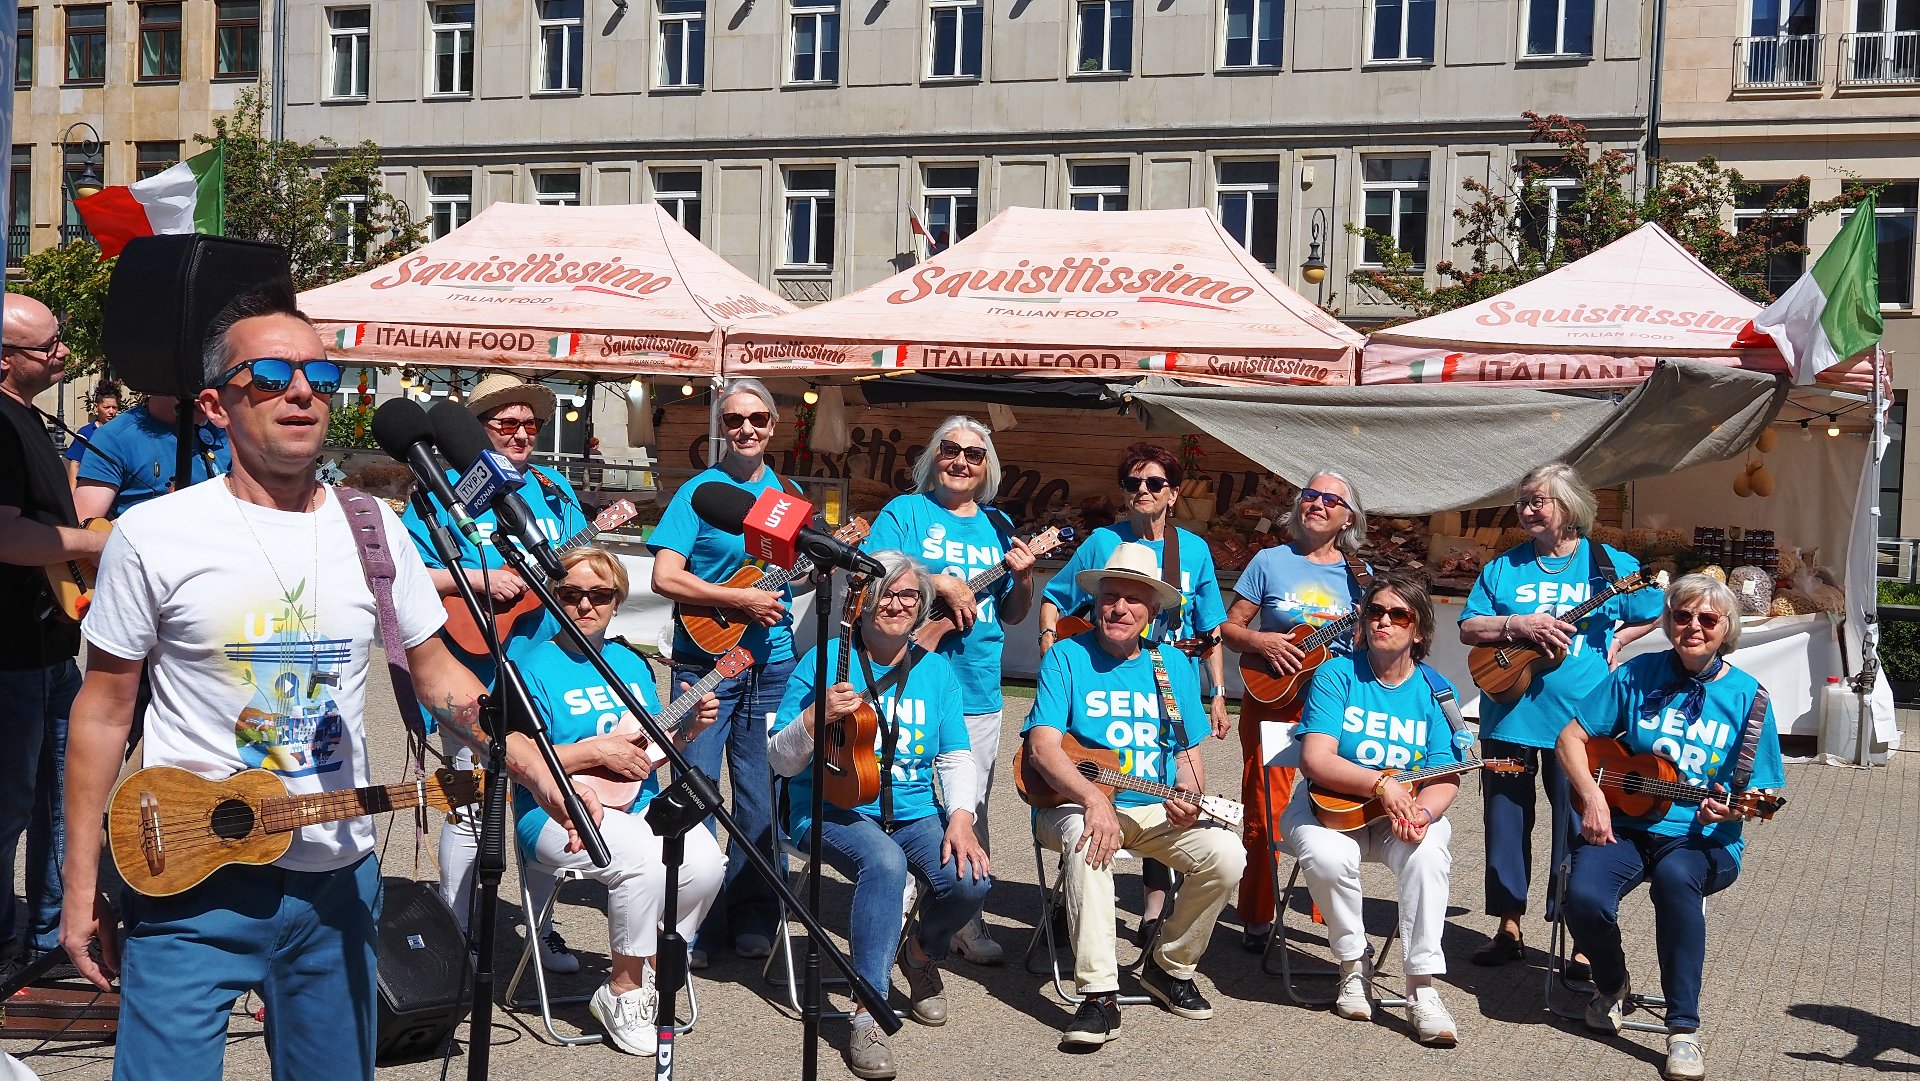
[247, 599]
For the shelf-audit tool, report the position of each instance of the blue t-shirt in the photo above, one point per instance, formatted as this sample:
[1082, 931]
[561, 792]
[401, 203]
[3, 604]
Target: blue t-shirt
[927, 713]
[577, 705]
[1102, 701]
[134, 452]
[77, 449]
[1515, 584]
[1201, 610]
[1291, 590]
[1380, 727]
[712, 556]
[1704, 753]
[946, 543]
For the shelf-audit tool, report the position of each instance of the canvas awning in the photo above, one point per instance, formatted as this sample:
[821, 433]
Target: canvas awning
[620, 290]
[1062, 293]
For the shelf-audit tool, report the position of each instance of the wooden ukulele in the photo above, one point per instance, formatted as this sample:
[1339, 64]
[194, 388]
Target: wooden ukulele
[1269, 687]
[1070, 626]
[1504, 672]
[853, 767]
[169, 829]
[72, 579]
[1645, 785]
[940, 619]
[1344, 813]
[716, 630]
[619, 791]
[1101, 765]
[465, 634]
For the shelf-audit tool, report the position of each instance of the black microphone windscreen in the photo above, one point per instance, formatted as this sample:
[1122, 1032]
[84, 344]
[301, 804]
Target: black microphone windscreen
[399, 424]
[722, 506]
[459, 434]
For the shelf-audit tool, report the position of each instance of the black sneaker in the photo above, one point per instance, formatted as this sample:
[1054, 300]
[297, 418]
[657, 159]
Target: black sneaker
[1094, 1024]
[1180, 997]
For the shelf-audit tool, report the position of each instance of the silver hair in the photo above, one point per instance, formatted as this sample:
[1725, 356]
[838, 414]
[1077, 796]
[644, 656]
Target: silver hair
[1562, 482]
[929, 460]
[1689, 588]
[748, 385]
[897, 565]
[1355, 533]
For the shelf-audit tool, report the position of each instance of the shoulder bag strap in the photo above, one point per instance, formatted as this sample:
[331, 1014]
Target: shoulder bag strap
[1450, 706]
[1750, 741]
[376, 562]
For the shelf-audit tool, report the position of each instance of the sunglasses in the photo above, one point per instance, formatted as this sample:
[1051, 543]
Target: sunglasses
[510, 425]
[1400, 617]
[1308, 495]
[909, 598]
[1537, 502]
[1155, 485]
[762, 419]
[600, 597]
[1683, 618]
[275, 374]
[949, 450]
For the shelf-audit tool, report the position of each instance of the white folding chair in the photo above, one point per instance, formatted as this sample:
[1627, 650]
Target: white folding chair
[1560, 950]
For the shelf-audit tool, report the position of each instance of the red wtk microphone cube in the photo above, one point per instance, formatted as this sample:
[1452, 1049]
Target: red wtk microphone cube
[773, 525]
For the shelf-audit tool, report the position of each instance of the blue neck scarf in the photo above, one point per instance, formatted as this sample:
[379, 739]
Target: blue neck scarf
[1690, 688]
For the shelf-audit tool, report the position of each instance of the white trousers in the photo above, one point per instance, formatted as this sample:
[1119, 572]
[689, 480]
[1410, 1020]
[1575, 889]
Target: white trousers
[1330, 862]
[636, 879]
[983, 734]
[460, 850]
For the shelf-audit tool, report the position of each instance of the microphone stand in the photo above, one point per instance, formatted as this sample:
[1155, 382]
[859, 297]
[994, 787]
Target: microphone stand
[688, 801]
[810, 1010]
[491, 863]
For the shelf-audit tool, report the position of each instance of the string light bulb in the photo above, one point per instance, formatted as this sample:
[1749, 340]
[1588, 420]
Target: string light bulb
[1806, 433]
[406, 379]
[572, 415]
[811, 397]
[686, 390]
[1833, 426]
[578, 400]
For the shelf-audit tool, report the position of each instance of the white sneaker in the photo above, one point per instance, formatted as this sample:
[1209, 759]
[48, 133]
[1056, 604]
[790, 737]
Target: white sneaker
[555, 957]
[628, 1018]
[1353, 997]
[974, 944]
[1432, 1024]
[1684, 1061]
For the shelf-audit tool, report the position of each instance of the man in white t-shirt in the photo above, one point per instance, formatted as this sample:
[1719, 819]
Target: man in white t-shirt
[247, 599]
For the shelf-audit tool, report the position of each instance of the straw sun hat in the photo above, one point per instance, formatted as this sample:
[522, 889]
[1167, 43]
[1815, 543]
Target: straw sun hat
[501, 389]
[1134, 562]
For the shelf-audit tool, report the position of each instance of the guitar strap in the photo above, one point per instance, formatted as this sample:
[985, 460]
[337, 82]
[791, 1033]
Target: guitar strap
[1170, 574]
[1463, 737]
[1602, 562]
[376, 563]
[1357, 570]
[1750, 741]
[877, 691]
[1169, 708]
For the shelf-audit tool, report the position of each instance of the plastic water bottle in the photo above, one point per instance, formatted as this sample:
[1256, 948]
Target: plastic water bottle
[1839, 723]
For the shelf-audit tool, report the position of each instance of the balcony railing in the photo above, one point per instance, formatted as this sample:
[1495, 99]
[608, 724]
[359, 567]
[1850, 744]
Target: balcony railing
[1779, 62]
[1882, 58]
[19, 239]
[72, 234]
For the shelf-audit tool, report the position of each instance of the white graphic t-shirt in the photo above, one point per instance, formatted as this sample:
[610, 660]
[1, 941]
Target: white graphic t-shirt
[257, 632]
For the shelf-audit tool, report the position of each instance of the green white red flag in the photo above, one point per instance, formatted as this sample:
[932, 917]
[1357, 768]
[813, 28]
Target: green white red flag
[1833, 312]
[188, 198]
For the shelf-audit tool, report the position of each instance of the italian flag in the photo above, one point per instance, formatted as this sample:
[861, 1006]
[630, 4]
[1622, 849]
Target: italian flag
[1160, 362]
[1833, 312]
[188, 198]
[562, 346]
[893, 356]
[1430, 370]
[350, 337]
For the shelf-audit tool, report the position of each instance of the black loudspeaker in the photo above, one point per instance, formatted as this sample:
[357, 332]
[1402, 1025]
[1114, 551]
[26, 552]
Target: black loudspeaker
[165, 292]
[424, 975]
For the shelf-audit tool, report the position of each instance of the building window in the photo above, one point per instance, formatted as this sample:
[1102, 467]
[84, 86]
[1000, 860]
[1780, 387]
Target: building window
[1249, 207]
[683, 42]
[1892, 466]
[1402, 32]
[1559, 28]
[236, 44]
[152, 159]
[73, 166]
[678, 193]
[452, 55]
[952, 202]
[350, 227]
[20, 206]
[557, 188]
[1885, 44]
[1097, 187]
[562, 33]
[87, 44]
[1106, 36]
[1549, 187]
[1253, 34]
[1396, 206]
[348, 33]
[449, 202]
[23, 50]
[1895, 217]
[816, 41]
[1752, 207]
[809, 217]
[1783, 46]
[955, 29]
[159, 41]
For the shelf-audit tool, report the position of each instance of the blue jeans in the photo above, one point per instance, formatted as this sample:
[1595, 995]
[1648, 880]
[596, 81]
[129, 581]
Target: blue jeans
[34, 705]
[305, 939]
[1682, 873]
[858, 848]
[747, 702]
[1507, 811]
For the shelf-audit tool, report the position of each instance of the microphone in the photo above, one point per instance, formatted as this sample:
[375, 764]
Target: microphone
[776, 528]
[402, 429]
[486, 472]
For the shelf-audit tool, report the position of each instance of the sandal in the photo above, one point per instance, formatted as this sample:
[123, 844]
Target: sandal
[1504, 947]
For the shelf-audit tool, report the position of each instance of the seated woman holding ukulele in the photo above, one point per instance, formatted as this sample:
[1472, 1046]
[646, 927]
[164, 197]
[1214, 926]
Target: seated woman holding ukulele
[1708, 727]
[1370, 714]
[596, 737]
[921, 733]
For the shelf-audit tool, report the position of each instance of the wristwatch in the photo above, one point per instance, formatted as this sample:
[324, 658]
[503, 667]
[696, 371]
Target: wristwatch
[1047, 631]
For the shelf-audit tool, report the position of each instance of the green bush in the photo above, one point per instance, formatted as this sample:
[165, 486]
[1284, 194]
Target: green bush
[1900, 639]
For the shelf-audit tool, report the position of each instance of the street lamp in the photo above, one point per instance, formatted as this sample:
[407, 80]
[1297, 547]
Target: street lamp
[88, 182]
[1314, 269]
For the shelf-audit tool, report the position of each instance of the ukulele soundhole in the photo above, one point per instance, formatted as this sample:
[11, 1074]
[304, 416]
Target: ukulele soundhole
[232, 820]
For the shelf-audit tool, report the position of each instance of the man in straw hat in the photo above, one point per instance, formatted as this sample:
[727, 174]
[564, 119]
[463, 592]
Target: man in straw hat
[1107, 690]
[512, 411]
